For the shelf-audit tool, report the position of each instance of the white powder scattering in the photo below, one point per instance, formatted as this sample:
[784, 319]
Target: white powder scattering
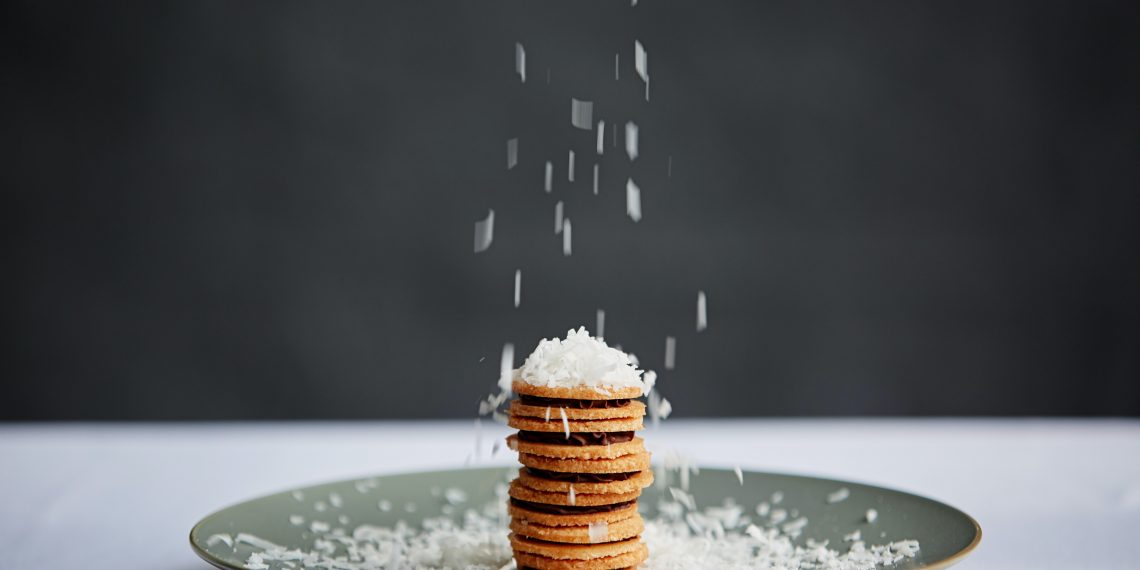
[485, 232]
[512, 153]
[872, 515]
[579, 360]
[581, 114]
[838, 495]
[641, 61]
[670, 352]
[631, 140]
[601, 136]
[506, 367]
[572, 497]
[601, 324]
[296, 520]
[548, 183]
[520, 62]
[558, 219]
[739, 474]
[633, 200]
[702, 312]
[566, 237]
[565, 422]
[570, 167]
[599, 532]
[596, 166]
[518, 287]
[225, 539]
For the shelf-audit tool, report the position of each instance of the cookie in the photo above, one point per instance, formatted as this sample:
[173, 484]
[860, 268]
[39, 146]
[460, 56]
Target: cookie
[623, 464]
[609, 532]
[627, 561]
[633, 409]
[577, 451]
[522, 493]
[582, 392]
[583, 484]
[556, 424]
[559, 551]
[523, 512]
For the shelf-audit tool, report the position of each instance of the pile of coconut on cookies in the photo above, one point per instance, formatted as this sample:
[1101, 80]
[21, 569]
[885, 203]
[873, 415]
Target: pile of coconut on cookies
[574, 502]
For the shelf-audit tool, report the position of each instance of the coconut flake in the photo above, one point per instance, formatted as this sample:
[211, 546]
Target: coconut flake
[599, 532]
[565, 422]
[617, 66]
[631, 140]
[601, 136]
[581, 114]
[702, 312]
[548, 413]
[872, 515]
[838, 495]
[384, 505]
[485, 232]
[633, 200]
[570, 167]
[566, 229]
[596, 179]
[600, 318]
[548, 183]
[506, 366]
[296, 520]
[739, 474]
[520, 62]
[558, 219]
[518, 287]
[670, 352]
[572, 497]
[579, 360]
[512, 153]
[641, 61]
[225, 539]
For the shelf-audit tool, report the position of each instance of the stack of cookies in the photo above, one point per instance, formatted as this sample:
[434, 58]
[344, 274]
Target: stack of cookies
[574, 503]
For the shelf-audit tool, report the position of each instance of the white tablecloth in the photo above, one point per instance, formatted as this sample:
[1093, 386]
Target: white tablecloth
[1049, 494]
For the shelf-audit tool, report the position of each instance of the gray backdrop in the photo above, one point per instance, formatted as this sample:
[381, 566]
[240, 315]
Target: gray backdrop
[265, 210]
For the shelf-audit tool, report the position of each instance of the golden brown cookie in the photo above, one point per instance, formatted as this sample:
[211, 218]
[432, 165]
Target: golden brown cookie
[556, 424]
[559, 551]
[628, 561]
[619, 530]
[580, 499]
[577, 519]
[577, 392]
[624, 464]
[641, 480]
[636, 445]
[634, 409]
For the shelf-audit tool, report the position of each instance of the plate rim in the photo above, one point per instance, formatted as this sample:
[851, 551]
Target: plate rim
[936, 565]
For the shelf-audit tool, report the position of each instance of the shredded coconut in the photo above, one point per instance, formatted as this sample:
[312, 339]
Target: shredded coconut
[739, 474]
[512, 153]
[581, 113]
[631, 142]
[485, 232]
[559, 218]
[838, 495]
[518, 287]
[702, 312]
[570, 167]
[548, 184]
[599, 532]
[633, 200]
[596, 167]
[601, 136]
[579, 360]
[872, 515]
[567, 232]
[520, 62]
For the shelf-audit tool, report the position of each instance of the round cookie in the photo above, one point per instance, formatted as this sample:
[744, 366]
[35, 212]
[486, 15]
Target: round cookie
[641, 480]
[563, 499]
[624, 464]
[559, 551]
[634, 409]
[577, 392]
[628, 561]
[577, 519]
[619, 530]
[556, 424]
[636, 445]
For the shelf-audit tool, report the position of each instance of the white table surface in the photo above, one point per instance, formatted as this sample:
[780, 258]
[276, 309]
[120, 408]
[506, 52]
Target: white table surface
[1049, 494]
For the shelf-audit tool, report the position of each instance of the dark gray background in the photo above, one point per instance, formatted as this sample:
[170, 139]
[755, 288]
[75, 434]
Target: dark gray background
[265, 210]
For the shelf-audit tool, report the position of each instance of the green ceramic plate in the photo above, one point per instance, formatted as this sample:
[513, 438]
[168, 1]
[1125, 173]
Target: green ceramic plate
[946, 534]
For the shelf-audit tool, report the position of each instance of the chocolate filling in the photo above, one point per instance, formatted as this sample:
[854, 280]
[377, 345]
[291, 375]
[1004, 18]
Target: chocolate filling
[576, 438]
[573, 404]
[580, 477]
[567, 509]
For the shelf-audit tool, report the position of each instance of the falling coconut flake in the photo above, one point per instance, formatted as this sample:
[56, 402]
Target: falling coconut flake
[739, 474]
[596, 179]
[839, 495]
[512, 153]
[599, 532]
[566, 237]
[549, 182]
[520, 61]
[631, 146]
[572, 497]
[670, 352]
[485, 232]
[558, 220]
[641, 61]
[518, 287]
[617, 60]
[633, 200]
[872, 515]
[570, 167]
[601, 322]
[581, 114]
[702, 312]
[601, 136]
[565, 422]
[506, 367]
